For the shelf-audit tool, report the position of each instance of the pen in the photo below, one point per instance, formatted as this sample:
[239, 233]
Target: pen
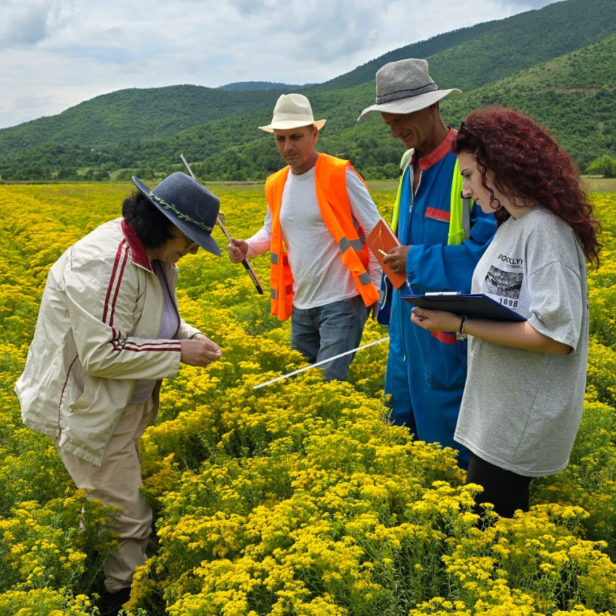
[382, 252]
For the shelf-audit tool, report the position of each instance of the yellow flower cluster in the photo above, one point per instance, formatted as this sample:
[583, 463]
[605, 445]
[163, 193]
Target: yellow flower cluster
[44, 602]
[297, 498]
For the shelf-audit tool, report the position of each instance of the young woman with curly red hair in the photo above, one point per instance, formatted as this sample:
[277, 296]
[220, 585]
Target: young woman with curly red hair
[524, 392]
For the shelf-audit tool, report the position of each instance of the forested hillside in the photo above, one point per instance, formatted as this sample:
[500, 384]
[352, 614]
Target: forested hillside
[472, 57]
[127, 115]
[259, 85]
[575, 96]
[556, 64]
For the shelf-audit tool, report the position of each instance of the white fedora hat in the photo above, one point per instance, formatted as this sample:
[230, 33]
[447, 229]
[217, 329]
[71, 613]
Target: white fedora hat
[292, 111]
[405, 86]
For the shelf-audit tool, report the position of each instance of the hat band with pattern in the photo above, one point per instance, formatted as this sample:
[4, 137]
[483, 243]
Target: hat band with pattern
[188, 205]
[395, 96]
[170, 206]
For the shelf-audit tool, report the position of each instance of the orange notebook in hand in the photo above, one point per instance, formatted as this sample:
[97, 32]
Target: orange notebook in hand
[380, 241]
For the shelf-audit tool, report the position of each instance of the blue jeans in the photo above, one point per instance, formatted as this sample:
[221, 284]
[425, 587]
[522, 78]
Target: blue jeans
[327, 331]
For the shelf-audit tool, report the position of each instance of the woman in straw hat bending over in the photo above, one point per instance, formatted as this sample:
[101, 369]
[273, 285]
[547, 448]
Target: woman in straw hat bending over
[108, 331]
[524, 393]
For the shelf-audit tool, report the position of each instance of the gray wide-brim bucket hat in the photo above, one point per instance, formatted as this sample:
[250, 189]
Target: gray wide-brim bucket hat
[404, 87]
[292, 111]
[189, 205]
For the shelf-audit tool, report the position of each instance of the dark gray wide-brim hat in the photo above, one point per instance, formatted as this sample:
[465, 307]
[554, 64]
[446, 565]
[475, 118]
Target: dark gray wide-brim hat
[189, 205]
[404, 87]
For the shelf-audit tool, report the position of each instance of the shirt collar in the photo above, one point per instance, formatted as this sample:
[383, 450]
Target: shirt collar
[140, 256]
[439, 153]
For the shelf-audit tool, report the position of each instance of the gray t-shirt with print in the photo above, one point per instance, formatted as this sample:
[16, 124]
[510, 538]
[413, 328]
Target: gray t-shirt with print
[521, 409]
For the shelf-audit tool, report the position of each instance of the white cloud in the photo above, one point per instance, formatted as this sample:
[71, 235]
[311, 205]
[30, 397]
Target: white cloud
[57, 53]
[24, 23]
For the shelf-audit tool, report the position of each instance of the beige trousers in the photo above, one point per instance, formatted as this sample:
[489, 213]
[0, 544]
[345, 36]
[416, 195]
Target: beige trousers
[116, 483]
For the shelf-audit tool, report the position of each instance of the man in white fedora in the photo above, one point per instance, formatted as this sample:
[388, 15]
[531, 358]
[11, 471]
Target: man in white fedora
[442, 237]
[318, 213]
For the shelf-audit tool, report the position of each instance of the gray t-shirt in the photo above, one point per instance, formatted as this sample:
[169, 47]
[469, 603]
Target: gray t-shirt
[521, 409]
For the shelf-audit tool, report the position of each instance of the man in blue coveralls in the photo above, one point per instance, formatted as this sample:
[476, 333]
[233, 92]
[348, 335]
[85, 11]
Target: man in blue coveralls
[426, 370]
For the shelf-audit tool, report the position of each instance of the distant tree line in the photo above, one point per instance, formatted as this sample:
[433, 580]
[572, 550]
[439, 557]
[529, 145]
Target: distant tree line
[233, 149]
[604, 166]
[534, 62]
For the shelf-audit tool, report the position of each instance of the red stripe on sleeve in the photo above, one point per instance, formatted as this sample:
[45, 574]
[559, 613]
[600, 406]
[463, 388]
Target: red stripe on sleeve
[444, 337]
[433, 212]
[117, 289]
[163, 345]
[112, 279]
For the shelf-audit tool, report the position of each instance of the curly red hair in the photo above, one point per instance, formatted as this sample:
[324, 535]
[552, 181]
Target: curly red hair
[529, 167]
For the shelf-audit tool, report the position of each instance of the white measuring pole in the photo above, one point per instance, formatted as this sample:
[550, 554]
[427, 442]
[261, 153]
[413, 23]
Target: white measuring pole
[325, 361]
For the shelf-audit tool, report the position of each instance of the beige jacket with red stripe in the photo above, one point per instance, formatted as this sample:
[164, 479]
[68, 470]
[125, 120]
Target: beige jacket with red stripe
[95, 337]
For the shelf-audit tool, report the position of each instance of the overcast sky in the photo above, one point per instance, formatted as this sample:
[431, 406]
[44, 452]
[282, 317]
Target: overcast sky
[55, 54]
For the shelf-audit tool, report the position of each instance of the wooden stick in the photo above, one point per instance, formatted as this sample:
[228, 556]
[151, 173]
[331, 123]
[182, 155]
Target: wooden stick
[245, 262]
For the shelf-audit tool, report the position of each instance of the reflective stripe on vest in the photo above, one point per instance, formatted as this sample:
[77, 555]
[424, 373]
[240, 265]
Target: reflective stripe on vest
[335, 208]
[459, 207]
[344, 244]
[460, 220]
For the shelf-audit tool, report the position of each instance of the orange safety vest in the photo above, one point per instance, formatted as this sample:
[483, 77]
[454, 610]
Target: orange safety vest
[335, 207]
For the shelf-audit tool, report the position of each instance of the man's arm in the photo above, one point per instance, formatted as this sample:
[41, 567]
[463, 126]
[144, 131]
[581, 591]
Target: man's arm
[258, 244]
[365, 212]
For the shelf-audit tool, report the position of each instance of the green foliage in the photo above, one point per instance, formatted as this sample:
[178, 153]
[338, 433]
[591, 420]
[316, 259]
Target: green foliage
[297, 498]
[511, 45]
[247, 86]
[134, 114]
[555, 64]
[604, 166]
[574, 96]
[471, 57]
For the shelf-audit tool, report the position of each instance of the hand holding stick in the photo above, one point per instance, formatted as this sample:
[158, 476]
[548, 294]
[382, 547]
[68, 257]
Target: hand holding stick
[245, 262]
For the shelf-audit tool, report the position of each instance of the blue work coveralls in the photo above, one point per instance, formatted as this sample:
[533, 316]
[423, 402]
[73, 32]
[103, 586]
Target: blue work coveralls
[426, 370]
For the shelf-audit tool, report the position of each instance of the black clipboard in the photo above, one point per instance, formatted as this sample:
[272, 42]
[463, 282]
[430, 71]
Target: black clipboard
[477, 306]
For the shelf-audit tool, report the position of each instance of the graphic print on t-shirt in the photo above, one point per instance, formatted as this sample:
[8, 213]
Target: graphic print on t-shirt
[502, 283]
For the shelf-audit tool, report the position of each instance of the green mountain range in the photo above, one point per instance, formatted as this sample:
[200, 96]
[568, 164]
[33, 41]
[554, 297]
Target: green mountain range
[557, 64]
[260, 85]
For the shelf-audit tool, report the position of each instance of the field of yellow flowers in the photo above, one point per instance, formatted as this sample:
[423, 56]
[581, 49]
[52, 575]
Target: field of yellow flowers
[298, 498]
